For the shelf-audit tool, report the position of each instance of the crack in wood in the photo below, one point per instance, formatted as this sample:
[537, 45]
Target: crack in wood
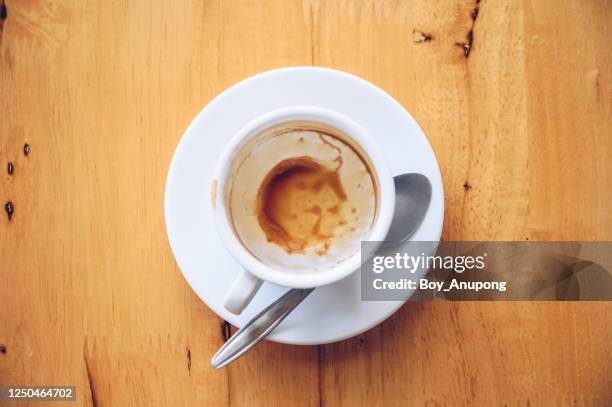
[10, 209]
[3, 16]
[229, 391]
[92, 390]
[226, 331]
[419, 36]
[189, 359]
[320, 369]
[469, 44]
[312, 50]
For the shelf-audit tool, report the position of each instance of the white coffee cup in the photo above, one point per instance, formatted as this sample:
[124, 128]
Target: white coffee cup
[255, 271]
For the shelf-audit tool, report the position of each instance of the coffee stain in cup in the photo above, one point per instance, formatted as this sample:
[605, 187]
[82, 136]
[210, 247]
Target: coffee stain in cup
[298, 204]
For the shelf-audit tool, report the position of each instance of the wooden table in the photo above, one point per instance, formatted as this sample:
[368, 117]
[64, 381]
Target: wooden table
[519, 114]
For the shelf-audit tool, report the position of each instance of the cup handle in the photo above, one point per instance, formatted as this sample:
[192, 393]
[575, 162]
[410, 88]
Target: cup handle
[241, 292]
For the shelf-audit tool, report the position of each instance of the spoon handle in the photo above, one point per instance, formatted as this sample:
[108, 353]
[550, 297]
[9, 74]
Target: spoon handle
[259, 327]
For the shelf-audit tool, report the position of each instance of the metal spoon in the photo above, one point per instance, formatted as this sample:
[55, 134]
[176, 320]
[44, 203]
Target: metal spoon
[412, 197]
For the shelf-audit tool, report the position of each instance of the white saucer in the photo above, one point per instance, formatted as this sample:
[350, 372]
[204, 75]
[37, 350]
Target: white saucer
[333, 312]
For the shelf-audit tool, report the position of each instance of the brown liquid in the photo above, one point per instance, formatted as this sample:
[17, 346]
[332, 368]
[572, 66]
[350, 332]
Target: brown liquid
[299, 204]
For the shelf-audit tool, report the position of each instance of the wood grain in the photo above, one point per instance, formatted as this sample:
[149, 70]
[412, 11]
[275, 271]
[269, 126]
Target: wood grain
[102, 91]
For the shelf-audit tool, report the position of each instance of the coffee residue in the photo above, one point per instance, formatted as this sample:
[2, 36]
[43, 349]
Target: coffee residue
[298, 204]
[333, 209]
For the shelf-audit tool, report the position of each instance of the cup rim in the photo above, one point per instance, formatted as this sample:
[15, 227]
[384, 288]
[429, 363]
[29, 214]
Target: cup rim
[378, 162]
